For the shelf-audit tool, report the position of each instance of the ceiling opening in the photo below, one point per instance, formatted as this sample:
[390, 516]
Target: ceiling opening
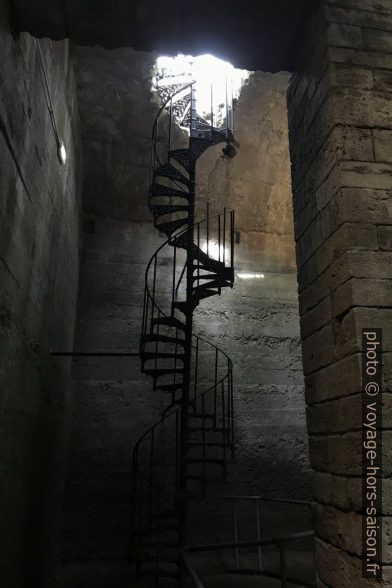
[217, 83]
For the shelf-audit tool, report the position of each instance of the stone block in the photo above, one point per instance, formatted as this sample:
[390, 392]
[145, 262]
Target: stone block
[362, 205]
[316, 318]
[372, 6]
[351, 76]
[382, 141]
[336, 416]
[377, 17]
[338, 569]
[345, 35]
[376, 293]
[382, 80]
[372, 60]
[341, 454]
[346, 493]
[378, 40]
[343, 378]
[317, 350]
[385, 238]
[347, 237]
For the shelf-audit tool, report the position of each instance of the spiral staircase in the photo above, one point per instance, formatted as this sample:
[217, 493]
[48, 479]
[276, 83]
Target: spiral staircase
[191, 443]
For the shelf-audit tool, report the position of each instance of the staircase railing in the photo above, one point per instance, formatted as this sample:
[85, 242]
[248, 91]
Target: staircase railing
[176, 457]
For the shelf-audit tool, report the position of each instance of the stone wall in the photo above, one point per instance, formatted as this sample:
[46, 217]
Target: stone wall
[39, 263]
[257, 322]
[340, 119]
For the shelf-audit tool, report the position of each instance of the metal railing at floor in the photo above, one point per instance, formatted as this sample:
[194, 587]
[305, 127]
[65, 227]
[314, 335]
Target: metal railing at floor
[257, 501]
[282, 543]
[189, 570]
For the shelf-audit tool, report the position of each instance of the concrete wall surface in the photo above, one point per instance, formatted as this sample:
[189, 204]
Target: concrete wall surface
[39, 263]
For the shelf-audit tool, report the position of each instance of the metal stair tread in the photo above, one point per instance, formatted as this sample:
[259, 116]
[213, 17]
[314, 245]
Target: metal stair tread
[162, 371]
[147, 355]
[161, 190]
[169, 171]
[170, 321]
[153, 337]
[171, 226]
[161, 209]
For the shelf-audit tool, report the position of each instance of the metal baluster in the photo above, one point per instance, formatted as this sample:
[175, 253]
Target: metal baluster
[151, 485]
[153, 290]
[198, 255]
[212, 113]
[174, 272]
[219, 237]
[223, 428]
[237, 551]
[227, 114]
[157, 342]
[232, 239]
[224, 235]
[208, 225]
[232, 407]
[175, 365]
[204, 443]
[282, 560]
[196, 369]
[260, 565]
[215, 385]
[228, 402]
[177, 457]
[170, 122]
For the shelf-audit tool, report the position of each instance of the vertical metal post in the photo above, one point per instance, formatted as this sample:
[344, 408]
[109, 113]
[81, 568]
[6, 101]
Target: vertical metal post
[215, 385]
[219, 237]
[260, 565]
[212, 113]
[196, 367]
[153, 290]
[232, 238]
[224, 235]
[227, 113]
[208, 225]
[237, 551]
[187, 362]
[198, 255]
[223, 428]
[170, 123]
[174, 272]
[204, 443]
[282, 563]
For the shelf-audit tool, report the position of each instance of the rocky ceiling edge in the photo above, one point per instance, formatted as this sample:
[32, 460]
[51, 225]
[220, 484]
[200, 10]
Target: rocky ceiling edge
[251, 34]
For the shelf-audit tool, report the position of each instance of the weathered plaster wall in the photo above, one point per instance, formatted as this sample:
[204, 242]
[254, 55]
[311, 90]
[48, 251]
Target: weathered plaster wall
[39, 263]
[256, 322]
[340, 113]
[256, 182]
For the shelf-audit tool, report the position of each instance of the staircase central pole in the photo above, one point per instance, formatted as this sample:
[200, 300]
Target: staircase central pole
[187, 365]
[188, 348]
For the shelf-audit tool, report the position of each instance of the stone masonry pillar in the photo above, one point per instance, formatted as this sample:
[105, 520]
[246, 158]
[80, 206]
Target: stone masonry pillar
[340, 124]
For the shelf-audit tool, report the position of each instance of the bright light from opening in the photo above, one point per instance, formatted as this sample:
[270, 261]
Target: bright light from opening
[215, 252]
[62, 153]
[250, 276]
[206, 71]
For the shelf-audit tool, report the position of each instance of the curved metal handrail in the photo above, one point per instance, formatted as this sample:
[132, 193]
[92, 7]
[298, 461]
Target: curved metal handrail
[196, 337]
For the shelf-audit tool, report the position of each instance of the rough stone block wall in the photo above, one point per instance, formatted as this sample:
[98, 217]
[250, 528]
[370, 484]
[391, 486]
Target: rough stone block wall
[257, 322]
[340, 121]
[39, 269]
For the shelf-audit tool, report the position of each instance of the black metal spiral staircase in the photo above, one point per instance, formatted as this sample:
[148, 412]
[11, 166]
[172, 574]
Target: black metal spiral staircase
[174, 459]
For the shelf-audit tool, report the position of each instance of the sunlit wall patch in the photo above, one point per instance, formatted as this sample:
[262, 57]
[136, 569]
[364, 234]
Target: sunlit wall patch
[250, 275]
